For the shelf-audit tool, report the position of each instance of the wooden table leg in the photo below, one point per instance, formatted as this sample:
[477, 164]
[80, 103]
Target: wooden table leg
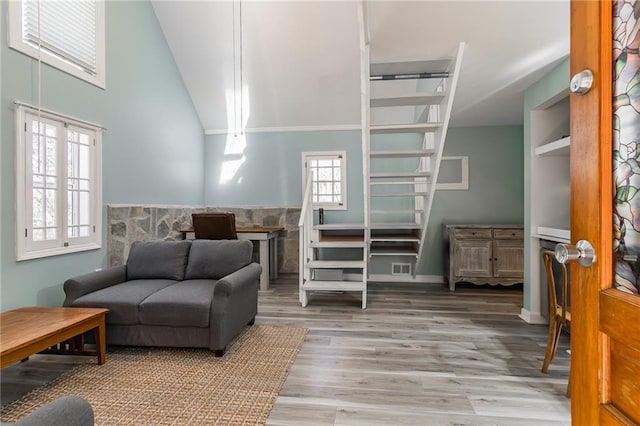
[273, 258]
[101, 343]
[264, 262]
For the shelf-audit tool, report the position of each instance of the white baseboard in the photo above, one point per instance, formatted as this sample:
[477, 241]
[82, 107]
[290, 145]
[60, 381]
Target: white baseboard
[532, 318]
[388, 278]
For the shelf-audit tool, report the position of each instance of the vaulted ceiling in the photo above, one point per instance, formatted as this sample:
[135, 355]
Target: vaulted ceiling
[300, 59]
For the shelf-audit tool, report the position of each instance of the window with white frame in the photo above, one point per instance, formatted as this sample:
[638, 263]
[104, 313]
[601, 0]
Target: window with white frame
[58, 185]
[328, 178]
[68, 35]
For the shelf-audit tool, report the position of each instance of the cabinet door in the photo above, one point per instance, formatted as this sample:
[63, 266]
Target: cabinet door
[508, 258]
[473, 258]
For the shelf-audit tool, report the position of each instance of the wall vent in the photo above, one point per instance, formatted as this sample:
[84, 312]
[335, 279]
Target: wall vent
[400, 269]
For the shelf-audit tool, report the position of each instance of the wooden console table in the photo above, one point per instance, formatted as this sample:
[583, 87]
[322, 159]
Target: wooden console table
[27, 331]
[484, 254]
[267, 237]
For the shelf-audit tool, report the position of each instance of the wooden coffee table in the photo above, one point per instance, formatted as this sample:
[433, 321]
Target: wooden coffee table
[27, 331]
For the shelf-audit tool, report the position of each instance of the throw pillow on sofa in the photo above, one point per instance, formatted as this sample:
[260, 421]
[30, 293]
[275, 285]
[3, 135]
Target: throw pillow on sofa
[158, 259]
[215, 259]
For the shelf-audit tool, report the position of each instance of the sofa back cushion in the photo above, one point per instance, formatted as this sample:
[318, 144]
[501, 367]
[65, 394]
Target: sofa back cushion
[215, 259]
[157, 259]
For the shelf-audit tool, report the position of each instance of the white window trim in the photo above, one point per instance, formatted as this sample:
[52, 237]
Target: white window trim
[24, 248]
[463, 185]
[16, 42]
[343, 181]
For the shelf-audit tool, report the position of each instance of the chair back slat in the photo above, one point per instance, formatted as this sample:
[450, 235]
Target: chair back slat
[214, 226]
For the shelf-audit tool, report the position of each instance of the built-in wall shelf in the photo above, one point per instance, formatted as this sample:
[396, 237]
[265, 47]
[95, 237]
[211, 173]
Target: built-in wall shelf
[549, 184]
[560, 235]
[558, 147]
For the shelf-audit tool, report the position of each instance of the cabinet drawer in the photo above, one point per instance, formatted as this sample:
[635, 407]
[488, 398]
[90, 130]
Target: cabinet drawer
[473, 233]
[508, 234]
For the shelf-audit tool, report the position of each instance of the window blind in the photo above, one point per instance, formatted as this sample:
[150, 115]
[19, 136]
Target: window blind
[64, 28]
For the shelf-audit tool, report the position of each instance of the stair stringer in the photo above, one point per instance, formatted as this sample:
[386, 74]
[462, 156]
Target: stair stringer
[440, 138]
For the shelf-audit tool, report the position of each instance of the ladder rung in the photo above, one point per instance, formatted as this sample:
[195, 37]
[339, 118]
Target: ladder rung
[380, 129]
[402, 154]
[333, 285]
[338, 244]
[393, 251]
[389, 175]
[339, 226]
[402, 194]
[396, 211]
[409, 67]
[336, 264]
[408, 100]
[403, 182]
[396, 238]
[380, 226]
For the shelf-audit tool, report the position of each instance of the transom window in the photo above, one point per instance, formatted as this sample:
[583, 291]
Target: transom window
[58, 185]
[329, 178]
[68, 35]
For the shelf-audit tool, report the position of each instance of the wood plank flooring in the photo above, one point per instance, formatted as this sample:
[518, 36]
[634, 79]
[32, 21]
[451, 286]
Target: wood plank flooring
[418, 355]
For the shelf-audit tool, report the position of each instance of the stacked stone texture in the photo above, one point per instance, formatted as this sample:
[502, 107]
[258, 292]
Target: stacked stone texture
[127, 224]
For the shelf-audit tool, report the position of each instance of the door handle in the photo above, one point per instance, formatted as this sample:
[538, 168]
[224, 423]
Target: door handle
[583, 252]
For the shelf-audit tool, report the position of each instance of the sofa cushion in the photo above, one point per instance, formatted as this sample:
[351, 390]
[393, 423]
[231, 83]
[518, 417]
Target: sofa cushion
[215, 259]
[157, 259]
[184, 304]
[122, 299]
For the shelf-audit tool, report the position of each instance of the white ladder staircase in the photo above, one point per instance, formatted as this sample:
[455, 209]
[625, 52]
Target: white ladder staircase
[333, 257]
[400, 163]
[406, 109]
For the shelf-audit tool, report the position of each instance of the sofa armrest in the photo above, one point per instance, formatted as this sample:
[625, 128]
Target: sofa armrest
[234, 305]
[93, 281]
[237, 281]
[64, 411]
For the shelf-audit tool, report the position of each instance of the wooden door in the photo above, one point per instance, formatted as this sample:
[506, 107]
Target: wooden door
[605, 328]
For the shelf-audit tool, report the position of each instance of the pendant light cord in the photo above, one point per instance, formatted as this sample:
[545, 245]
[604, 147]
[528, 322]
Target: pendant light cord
[235, 84]
[39, 66]
[241, 77]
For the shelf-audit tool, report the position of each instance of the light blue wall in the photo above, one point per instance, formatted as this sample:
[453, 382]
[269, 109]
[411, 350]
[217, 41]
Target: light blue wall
[555, 82]
[495, 192]
[2, 177]
[152, 149]
[271, 174]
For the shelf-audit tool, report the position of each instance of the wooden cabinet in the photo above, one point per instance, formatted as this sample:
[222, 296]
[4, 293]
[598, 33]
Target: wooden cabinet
[484, 254]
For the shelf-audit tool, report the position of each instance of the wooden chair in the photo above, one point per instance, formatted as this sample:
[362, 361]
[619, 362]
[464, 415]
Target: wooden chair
[559, 312]
[214, 226]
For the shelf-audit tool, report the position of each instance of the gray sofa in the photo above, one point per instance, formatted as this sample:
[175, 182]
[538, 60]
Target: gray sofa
[64, 411]
[197, 294]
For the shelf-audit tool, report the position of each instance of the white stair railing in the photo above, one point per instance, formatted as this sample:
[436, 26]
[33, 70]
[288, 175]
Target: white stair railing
[440, 138]
[365, 122]
[305, 229]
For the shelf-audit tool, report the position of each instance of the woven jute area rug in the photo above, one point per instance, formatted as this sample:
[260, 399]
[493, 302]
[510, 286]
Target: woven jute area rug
[166, 386]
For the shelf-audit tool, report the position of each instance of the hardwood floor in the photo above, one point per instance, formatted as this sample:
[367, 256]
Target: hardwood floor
[418, 355]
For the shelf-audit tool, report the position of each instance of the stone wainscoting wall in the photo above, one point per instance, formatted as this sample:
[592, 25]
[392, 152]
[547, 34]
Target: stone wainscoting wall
[127, 224]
